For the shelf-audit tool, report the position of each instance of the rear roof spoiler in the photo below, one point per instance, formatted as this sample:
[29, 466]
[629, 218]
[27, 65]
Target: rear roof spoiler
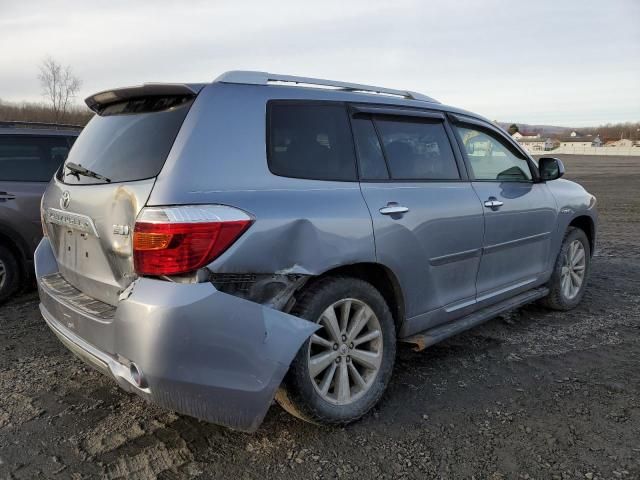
[98, 101]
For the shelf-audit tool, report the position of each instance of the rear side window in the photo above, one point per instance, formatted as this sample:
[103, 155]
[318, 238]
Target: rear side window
[25, 158]
[371, 159]
[417, 150]
[310, 141]
[128, 140]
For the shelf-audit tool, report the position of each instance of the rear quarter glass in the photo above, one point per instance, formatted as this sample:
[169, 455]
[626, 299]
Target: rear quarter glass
[128, 141]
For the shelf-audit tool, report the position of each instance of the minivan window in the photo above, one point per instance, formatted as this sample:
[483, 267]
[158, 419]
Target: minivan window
[310, 141]
[491, 159]
[26, 158]
[128, 140]
[370, 157]
[417, 149]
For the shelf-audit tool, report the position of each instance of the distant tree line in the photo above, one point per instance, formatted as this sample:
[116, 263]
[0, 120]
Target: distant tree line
[614, 131]
[60, 87]
[42, 112]
[609, 131]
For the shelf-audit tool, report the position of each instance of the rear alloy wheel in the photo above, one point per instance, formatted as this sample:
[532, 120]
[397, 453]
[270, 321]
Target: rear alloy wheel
[342, 370]
[344, 357]
[571, 271]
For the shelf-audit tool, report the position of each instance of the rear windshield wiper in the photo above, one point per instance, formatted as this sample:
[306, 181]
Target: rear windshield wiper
[77, 170]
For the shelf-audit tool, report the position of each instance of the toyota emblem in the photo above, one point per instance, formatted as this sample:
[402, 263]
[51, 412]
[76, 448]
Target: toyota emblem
[65, 199]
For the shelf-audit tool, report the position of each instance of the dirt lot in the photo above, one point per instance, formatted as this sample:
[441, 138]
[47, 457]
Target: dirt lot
[534, 394]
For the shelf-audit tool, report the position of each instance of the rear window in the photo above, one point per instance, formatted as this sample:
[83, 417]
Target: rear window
[128, 140]
[26, 158]
[310, 141]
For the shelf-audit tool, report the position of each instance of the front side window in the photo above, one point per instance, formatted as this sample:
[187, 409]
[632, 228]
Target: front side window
[25, 158]
[310, 141]
[417, 149]
[491, 159]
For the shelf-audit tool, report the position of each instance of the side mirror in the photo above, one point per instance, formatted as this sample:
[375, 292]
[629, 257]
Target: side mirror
[550, 168]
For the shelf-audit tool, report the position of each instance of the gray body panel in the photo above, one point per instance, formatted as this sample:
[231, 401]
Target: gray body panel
[20, 214]
[20, 224]
[97, 262]
[434, 248]
[222, 367]
[221, 357]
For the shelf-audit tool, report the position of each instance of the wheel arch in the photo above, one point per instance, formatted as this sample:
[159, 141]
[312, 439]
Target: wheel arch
[382, 278]
[587, 225]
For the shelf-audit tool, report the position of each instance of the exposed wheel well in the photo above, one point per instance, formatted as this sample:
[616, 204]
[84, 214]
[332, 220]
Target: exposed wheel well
[585, 223]
[382, 279]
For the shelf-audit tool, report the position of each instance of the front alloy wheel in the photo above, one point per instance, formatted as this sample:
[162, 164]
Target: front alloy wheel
[570, 272]
[573, 269]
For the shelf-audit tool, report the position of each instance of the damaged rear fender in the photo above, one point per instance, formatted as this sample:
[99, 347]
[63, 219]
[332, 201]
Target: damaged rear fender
[205, 353]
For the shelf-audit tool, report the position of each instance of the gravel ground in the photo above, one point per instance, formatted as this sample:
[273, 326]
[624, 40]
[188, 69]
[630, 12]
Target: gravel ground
[533, 394]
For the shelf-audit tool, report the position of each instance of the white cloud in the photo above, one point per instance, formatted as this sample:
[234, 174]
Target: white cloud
[572, 62]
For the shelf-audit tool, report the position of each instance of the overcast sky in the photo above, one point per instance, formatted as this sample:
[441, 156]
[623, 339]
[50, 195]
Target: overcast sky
[562, 62]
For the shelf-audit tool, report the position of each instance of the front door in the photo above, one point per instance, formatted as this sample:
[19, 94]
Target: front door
[427, 219]
[519, 213]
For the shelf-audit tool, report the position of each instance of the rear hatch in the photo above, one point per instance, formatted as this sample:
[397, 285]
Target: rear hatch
[90, 208]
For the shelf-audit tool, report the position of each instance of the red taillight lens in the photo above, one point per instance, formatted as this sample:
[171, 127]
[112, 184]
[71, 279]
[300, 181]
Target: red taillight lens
[174, 240]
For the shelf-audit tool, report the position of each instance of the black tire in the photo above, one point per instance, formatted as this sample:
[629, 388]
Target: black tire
[298, 394]
[556, 299]
[11, 281]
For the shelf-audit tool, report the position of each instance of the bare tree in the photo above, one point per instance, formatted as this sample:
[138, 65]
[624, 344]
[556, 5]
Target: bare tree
[59, 86]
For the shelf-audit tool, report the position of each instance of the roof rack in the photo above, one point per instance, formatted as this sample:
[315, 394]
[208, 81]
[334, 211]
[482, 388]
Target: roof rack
[265, 78]
[53, 126]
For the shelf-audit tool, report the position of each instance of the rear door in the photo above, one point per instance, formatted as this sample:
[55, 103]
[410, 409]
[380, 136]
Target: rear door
[520, 213]
[27, 163]
[427, 219]
[90, 219]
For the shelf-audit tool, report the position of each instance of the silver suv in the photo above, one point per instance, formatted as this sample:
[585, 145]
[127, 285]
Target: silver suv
[213, 246]
[30, 153]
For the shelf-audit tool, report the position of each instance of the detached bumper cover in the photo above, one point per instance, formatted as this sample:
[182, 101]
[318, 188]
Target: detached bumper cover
[202, 352]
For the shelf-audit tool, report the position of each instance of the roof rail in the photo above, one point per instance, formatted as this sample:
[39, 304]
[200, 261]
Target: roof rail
[265, 78]
[52, 126]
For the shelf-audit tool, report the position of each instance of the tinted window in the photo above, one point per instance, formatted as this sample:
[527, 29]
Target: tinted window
[370, 156]
[491, 159]
[310, 141]
[417, 150]
[128, 140]
[29, 158]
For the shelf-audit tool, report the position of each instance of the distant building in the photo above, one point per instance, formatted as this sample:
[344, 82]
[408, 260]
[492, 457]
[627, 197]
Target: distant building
[623, 142]
[574, 141]
[534, 143]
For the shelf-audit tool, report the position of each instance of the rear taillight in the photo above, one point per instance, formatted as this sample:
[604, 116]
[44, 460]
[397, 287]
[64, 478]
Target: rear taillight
[174, 240]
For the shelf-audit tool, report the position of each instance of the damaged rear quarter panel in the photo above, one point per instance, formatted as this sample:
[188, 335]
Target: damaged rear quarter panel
[301, 226]
[208, 354]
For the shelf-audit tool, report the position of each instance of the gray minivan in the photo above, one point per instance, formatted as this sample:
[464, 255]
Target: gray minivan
[30, 153]
[213, 246]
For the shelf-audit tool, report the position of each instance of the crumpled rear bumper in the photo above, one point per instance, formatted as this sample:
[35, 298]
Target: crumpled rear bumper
[200, 352]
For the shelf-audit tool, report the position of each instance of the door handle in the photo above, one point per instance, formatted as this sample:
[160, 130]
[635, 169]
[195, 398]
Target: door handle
[493, 203]
[393, 208]
[6, 196]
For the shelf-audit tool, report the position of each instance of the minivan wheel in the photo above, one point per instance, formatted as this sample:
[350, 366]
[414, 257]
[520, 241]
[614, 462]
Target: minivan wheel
[9, 275]
[571, 271]
[342, 370]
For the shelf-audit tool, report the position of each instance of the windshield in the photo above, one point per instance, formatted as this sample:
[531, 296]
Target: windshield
[127, 141]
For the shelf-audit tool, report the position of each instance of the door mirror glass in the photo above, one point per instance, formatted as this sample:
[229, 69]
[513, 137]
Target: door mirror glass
[550, 168]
